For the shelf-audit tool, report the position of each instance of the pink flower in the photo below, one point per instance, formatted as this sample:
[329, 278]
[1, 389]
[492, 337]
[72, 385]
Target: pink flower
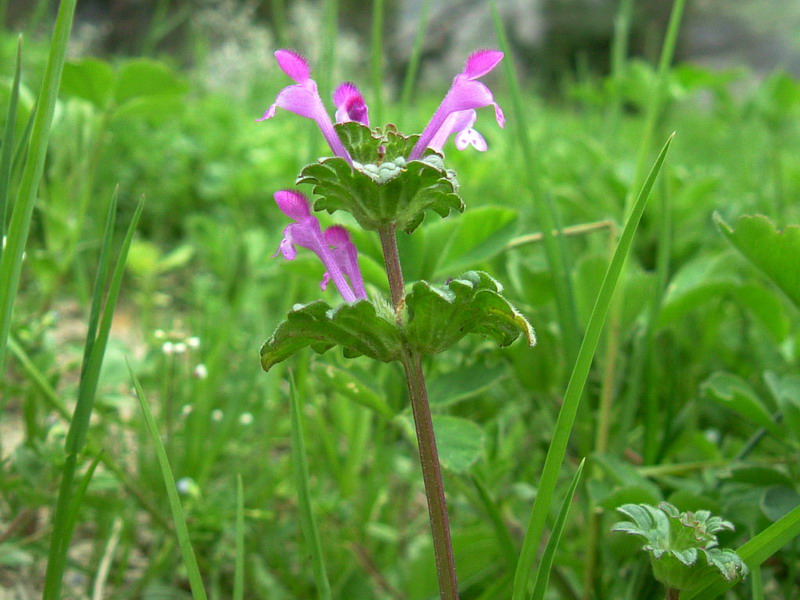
[350, 105]
[455, 116]
[341, 261]
[303, 99]
[465, 94]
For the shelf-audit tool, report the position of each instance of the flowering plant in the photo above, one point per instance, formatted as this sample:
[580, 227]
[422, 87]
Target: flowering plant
[389, 181]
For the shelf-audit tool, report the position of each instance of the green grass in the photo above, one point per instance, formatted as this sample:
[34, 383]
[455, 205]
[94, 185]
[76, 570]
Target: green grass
[706, 342]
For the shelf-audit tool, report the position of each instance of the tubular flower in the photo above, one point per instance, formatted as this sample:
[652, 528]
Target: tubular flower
[346, 256]
[460, 124]
[350, 105]
[303, 99]
[341, 261]
[465, 94]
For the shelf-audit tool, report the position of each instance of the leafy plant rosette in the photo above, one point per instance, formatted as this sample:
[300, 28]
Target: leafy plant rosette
[682, 546]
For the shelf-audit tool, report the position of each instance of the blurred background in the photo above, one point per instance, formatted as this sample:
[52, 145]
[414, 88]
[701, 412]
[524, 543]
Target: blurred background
[553, 36]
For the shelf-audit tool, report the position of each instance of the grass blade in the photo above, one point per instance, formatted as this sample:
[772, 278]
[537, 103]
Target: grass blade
[90, 374]
[8, 144]
[756, 551]
[79, 426]
[410, 77]
[101, 279]
[554, 246]
[307, 522]
[577, 382]
[376, 60]
[238, 573]
[182, 532]
[11, 260]
[543, 572]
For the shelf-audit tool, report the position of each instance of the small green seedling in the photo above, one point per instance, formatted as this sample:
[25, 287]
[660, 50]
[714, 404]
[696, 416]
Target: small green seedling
[675, 542]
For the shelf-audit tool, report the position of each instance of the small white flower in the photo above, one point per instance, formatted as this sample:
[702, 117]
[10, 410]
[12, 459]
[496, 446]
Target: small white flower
[193, 342]
[246, 418]
[180, 348]
[186, 410]
[200, 371]
[187, 486]
[216, 415]
[168, 348]
[159, 334]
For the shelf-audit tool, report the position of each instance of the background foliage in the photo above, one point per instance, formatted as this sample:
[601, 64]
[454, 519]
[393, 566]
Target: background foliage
[694, 396]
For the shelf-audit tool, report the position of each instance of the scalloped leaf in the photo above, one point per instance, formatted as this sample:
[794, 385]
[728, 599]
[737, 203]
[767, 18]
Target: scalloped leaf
[356, 327]
[439, 316]
[391, 192]
[774, 252]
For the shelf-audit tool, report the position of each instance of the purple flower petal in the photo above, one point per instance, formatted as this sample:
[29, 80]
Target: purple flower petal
[350, 105]
[346, 255]
[293, 64]
[460, 124]
[465, 94]
[479, 63]
[293, 204]
[306, 232]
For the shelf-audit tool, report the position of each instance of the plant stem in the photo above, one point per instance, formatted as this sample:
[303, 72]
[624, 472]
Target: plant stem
[673, 594]
[426, 440]
[392, 261]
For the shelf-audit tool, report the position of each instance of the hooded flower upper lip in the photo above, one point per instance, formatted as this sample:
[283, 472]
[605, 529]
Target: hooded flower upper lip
[341, 261]
[455, 116]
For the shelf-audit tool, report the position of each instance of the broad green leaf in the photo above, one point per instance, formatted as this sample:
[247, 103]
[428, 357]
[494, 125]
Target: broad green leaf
[774, 252]
[699, 281]
[356, 327]
[755, 475]
[737, 395]
[90, 79]
[440, 316]
[393, 193]
[766, 306]
[155, 108]
[463, 383]
[144, 77]
[778, 501]
[458, 440]
[477, 235]
[786, 391]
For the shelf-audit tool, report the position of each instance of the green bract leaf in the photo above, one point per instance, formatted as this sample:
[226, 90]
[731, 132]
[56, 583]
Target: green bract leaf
[774, 252]
[382, 188]
[439, 316]
[356, 327]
